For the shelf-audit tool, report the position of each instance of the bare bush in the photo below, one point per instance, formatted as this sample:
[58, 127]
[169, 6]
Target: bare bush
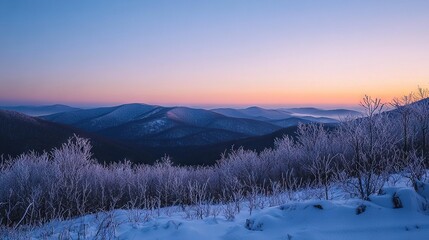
[372, 149]
[359, 155]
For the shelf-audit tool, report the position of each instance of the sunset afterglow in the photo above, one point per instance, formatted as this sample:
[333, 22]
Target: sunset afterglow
[211, 53]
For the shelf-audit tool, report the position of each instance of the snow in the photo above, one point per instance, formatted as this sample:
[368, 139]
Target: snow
[297, 220]
[196, 117]
[100, 118]
[119, 115]
[338, 220]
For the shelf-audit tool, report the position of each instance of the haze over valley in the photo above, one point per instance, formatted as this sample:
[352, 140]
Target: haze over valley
[144, 133]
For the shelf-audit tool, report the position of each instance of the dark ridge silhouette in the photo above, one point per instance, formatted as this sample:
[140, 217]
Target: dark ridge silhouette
[20, 133]
[40, 110]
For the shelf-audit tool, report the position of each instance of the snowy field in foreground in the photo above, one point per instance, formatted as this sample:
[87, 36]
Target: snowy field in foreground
[311, 219]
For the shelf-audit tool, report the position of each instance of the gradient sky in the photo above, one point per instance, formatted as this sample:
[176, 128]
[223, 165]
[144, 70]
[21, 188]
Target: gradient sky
[211, 53]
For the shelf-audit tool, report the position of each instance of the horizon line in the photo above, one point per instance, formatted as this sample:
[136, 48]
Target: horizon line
[190, 105]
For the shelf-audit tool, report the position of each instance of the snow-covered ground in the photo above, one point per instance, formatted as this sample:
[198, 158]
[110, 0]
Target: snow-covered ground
[398, 213]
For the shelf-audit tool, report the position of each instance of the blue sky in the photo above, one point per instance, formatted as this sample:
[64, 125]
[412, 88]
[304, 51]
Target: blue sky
[211, 52]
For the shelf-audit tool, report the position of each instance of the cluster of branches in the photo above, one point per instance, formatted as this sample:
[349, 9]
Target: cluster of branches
[359, 155]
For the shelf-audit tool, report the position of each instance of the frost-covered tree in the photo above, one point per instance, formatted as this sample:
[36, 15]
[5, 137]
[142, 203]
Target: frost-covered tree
[372, 149]
[360, 153]
[316, 145]
[405, 111]
[420, 109]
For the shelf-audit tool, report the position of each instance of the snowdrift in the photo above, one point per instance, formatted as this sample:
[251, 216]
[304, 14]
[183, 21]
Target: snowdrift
[396, 213]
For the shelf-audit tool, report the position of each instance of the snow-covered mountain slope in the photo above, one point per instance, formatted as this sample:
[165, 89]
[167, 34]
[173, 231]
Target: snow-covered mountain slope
[231, 112]
[143, 123]
[101, 118]
[350, 219]
[192, 116]
[75, 117]
[184, 126]
[20, 133]
[40, 110]
[172, 129]
[186, 144]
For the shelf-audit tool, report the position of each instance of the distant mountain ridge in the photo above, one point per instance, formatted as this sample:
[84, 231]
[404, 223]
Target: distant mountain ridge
[99, 118]
[158, 126]
[143, 133]
[21, 133]
[258, 113]
[255, 113]
[40, 110]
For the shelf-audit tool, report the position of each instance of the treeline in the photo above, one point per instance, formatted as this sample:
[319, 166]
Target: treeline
[359, 155]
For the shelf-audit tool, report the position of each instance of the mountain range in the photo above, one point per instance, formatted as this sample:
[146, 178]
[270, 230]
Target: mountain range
[21, 133]
[155, 126]
[40, 110]
[142, 133]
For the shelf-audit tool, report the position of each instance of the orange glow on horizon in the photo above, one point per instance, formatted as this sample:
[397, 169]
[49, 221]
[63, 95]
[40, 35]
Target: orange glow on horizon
[217, 53]
[313, 97]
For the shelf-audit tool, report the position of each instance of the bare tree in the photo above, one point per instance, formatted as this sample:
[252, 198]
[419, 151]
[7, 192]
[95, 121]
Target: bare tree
[362, 152]
[372, 150]
[414, 168]
[420, 109]
[316, 143]
[402, 106]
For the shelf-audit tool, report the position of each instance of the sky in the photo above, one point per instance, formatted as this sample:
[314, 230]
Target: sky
[211, 53]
